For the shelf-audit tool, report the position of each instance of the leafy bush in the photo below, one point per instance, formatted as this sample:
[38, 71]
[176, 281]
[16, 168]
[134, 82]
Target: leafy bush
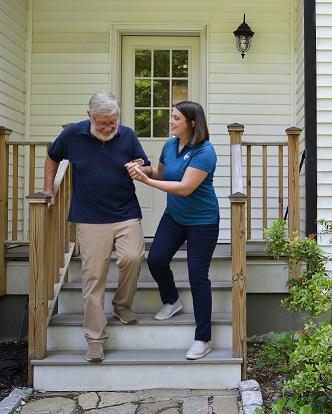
[308, 360]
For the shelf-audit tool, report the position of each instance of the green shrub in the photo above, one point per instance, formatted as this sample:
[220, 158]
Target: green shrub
[308, 360]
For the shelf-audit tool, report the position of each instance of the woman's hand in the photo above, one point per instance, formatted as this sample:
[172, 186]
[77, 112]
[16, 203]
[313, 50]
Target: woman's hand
[135, 172]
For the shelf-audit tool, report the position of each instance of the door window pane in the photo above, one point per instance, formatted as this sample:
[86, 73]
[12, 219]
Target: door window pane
[161, 123]
[142, 63]
[180, 63]
[142, 93]
[143, 123]
[179, 91]
[161, 80]
[161, 63]
[161, 93]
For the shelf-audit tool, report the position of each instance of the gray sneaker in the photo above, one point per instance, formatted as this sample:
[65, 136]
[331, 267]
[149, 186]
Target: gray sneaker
[95, 352]
[168, 310]
[198, 350]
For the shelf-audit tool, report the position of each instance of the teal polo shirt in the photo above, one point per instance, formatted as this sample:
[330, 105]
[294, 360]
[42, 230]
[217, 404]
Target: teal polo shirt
[201, 206]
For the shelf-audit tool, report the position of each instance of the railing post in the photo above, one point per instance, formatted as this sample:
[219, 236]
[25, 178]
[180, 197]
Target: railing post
[238, 248]
[293, 134]
[4, 161]
[38, 278]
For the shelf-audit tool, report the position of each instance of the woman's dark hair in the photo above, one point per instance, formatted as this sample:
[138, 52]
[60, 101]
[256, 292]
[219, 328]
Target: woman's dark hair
[193, 111]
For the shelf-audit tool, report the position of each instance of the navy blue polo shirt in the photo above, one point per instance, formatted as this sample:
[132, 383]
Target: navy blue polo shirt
[103, 192]
[201, 206]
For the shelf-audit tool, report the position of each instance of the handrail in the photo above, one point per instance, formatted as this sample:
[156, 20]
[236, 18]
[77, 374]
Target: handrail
[238, 247]
[239, 233]
[49, 257]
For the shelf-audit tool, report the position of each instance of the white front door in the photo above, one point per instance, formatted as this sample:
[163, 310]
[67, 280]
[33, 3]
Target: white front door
[157, 72]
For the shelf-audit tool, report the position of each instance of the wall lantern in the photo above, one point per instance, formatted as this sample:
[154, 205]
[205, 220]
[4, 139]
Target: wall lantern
[243, 36]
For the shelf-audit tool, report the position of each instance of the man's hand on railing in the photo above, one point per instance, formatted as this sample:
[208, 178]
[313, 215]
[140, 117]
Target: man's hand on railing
[50, 193]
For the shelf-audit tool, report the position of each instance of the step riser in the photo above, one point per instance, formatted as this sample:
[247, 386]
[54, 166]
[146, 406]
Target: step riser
[136, 337]
[220, 270]
[145, 301]
[135, 377]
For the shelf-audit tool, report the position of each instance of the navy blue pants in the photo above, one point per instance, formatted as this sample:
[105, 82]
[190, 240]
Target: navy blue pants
[201, 242]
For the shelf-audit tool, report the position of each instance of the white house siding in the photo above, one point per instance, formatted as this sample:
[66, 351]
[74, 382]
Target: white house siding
[13, 37]
[71, 60]
[324, 113]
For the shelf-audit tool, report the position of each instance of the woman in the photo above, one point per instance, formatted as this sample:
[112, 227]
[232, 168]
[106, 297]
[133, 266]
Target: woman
[185, 171]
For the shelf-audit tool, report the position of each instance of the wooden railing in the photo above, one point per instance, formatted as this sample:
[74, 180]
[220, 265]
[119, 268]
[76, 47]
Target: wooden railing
[51, 239]
[241, 223]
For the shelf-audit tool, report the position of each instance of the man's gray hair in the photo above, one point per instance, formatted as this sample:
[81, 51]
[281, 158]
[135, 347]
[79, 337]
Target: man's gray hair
[104, 103]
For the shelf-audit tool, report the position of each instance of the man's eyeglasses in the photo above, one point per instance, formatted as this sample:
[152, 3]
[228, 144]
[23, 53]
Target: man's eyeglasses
[105, 124]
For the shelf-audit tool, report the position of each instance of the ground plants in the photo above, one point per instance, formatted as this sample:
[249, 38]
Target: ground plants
[307, 354]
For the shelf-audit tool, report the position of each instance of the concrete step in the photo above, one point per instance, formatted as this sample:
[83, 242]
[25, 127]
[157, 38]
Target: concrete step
[220, 269]
[132, 370]
[147, 298]
[65, 332]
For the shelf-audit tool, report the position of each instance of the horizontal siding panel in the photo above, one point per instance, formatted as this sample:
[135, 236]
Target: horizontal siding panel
[239, 98]
[324, 80]
[79, 89]
[323, 129]
[325, 116]
[250, 89]
[257, 79]
[70, 78]
[250, 119]
[78, 37]
[250, 69]
[251, 130]
[251, 109]
[324, 92]
[68, 58]
[70, 48]
[78, 109]
[77, 68]
[260, 58]
[324, 177]
[40, 121]
[61, 99]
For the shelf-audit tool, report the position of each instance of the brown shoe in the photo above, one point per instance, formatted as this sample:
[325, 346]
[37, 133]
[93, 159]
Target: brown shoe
[95, 352]
[125, 315]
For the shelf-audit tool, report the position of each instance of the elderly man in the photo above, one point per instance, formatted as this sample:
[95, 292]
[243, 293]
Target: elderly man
[105, 207]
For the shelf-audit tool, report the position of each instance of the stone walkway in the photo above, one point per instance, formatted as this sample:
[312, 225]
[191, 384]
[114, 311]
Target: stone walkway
[158, 401]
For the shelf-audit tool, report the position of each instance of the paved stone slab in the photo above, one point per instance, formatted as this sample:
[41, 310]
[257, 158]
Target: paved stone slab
[109, 399]
[196, 405]
[57, 405]
[88, 401]
[127, 408]
[210, 393]
[169, 407]
[225, 405]
[163, 393]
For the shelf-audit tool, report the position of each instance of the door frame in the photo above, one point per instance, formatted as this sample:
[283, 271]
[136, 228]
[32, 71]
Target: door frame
[139, 29]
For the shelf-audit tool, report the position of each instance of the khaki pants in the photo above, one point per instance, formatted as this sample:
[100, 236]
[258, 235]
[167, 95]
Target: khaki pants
[96, 244]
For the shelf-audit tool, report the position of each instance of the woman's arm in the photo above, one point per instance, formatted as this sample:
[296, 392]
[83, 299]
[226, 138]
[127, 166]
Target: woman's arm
[190, 181]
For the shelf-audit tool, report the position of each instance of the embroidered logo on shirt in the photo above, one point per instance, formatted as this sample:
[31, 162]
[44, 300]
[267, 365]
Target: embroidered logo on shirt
[186, 156]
